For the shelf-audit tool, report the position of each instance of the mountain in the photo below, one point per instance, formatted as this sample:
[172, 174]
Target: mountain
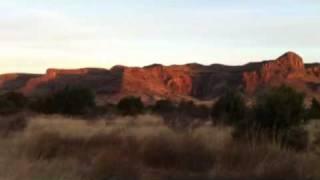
[156, 81]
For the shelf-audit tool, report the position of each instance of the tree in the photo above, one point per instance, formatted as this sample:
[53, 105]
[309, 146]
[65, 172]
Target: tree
[186, 108]
[230, 108]
[164, 106]
[130, 106]
[12, 102]
[72, 101]
[314, 110]
[279, 109]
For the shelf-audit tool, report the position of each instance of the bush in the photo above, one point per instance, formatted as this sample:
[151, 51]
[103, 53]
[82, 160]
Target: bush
[130, 106]
[182, 154]
[12, 102]
[230, 108]
[70, 101]
[297, 139]
[186, 107]
[279, 109]
[44, 146]
[184, 115]
[190, 109]
[113, 164]
[164, 106]
[51, 145]
[314, 111]
[278, 116]
[261, 160]
[11, 124]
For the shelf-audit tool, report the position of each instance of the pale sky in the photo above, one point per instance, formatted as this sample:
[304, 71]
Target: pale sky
[38, 34]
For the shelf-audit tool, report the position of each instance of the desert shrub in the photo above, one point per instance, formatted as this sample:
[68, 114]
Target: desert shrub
[186, 114]
[12, 102]
[183, 115]
[71, 101]
[296, 138]
[44, 146]
[203, 112]
[106, 109]
[279, 109]
[114, 164]
[230, 108]
[278, 117]
[164, 106]
[182, 154]
[139, 149]
[316, 144]
[125, 144]
[262, 160]
[195, 156]
[190, 109]
[130, 106]
[186, 107]
[50, 145]
[11, 124]
[314, 110]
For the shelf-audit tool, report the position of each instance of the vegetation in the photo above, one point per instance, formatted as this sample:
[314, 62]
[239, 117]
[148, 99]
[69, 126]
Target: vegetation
[11, 124]
[279, 109]
[130, 106]
[143, 147]
[184, 153]
[12, 102]
[230, 108]
[314, 111]
[69, 101]
[164, 106]
[190, 109]
[268, 140]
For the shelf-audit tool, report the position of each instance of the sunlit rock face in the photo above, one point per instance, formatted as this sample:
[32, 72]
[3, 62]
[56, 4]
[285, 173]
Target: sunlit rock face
[15, 81]
[289, 65]
[158, 80]
[287, 69]
[177, 81]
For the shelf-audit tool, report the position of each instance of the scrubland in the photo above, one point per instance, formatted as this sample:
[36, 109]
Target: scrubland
[55, 147]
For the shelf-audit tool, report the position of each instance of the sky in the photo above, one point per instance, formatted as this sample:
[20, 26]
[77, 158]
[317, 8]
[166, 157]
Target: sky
[39, 34]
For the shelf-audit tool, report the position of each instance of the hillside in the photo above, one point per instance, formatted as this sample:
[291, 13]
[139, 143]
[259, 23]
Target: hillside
[176, 81]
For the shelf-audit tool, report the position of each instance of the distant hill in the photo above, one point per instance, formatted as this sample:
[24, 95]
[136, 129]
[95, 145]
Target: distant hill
[156, 81]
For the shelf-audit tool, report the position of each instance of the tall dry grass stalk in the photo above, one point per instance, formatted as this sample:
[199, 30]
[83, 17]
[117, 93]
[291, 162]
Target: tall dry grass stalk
[70, 127]
[144, 147]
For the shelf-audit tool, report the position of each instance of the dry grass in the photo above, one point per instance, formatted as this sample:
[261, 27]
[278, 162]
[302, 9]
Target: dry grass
[113, 163]
[142, 125]
[314, 135]
[12, 124]
[179, 153]
[14, 166]
[59, 148]
[259, 161]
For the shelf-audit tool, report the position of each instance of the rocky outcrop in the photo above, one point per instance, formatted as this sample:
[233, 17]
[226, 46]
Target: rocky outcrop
[15, 81]
[288, 67]
[251, 81]
[177, 81]
[158, 80]
[56, 79]
[314, 70]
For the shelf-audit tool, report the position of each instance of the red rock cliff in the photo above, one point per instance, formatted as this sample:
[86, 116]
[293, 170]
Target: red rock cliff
[158, 80]
[287, 67]
[192, 80]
